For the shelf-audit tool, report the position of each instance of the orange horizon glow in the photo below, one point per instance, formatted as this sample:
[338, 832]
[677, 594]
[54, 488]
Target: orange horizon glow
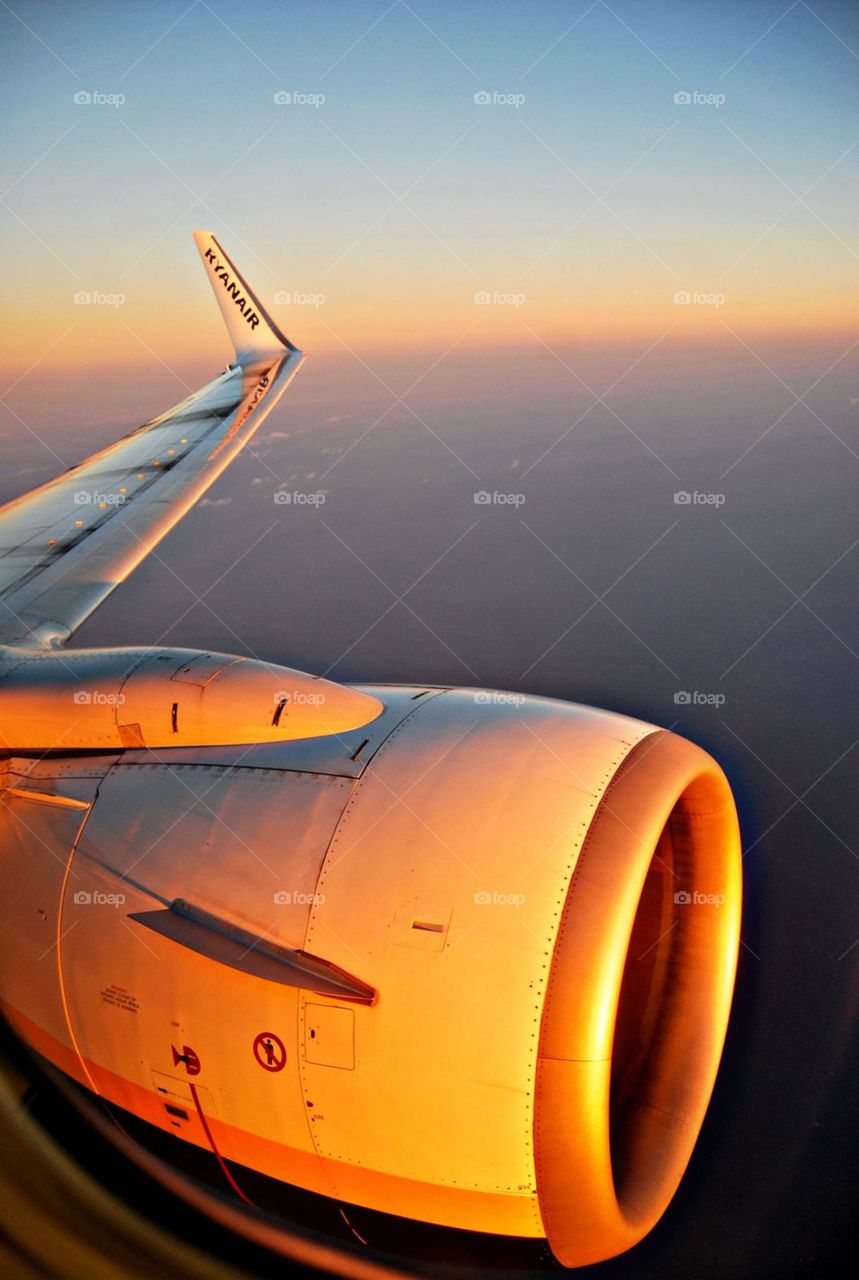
[136, 337]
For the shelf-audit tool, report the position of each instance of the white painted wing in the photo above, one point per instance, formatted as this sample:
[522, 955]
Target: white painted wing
[66, 545]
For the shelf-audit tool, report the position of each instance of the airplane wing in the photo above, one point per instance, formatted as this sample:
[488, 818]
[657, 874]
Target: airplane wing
[65, 545]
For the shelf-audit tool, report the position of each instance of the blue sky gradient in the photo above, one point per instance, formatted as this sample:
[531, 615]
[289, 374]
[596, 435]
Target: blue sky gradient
[496, 197]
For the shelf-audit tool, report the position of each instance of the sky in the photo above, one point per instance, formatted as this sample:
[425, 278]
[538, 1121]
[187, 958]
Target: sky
[576, 205]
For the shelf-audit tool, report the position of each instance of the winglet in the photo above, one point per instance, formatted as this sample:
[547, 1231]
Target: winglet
[254, 334]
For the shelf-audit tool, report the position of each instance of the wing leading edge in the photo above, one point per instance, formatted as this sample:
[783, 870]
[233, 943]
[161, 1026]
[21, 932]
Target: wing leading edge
[65, 545]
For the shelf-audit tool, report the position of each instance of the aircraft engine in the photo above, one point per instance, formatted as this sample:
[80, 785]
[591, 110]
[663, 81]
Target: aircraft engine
[469, 964]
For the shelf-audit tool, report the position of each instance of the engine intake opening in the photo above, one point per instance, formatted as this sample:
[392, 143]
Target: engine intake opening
[638, 1000]
[645, 1001]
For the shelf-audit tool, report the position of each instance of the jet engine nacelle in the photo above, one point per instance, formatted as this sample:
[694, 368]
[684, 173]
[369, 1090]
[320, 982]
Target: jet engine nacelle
[469, 964]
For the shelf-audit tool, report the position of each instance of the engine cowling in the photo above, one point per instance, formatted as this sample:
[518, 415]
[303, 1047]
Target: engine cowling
[543, 901]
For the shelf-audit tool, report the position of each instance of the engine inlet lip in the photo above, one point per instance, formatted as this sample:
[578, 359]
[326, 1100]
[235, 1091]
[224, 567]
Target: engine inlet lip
[602, 1186]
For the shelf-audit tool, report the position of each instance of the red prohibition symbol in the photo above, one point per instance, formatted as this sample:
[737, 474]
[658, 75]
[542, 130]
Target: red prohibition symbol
[269, 1051]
